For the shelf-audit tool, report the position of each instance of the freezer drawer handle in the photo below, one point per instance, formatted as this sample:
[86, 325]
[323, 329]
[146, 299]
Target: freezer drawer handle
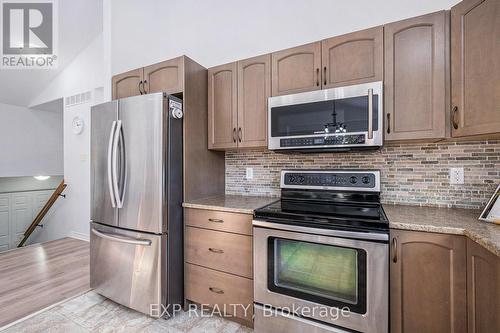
[122, 239]
[216, 290]
[216, 220]
[211, 249]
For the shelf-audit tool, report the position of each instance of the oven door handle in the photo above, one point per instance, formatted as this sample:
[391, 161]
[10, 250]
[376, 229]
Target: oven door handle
[370, 114]
[324, 232]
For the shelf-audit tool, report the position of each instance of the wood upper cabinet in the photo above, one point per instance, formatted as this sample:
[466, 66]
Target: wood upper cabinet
[475, 67]
[483, 289]
[353, 58]
[127, 84]
[254, 88]
[297, 69]
[428, 282]
[166, 76]
[416, 80]
[222, 106]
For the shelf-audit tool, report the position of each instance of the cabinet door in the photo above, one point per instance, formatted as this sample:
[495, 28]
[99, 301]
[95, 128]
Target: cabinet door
[353, 58]
[483, 289]
[127, 84]
[222, 108]
[21, 215]
[428, 281]
[4, 222]
[475, 67]
[254, 88]
[415, 78]
[297, 69]
[166, 76]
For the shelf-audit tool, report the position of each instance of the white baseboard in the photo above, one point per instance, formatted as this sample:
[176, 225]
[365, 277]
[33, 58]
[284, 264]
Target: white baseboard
[79, 235]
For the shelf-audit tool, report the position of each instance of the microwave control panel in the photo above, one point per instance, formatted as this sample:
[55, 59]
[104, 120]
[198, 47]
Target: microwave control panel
[323, 141]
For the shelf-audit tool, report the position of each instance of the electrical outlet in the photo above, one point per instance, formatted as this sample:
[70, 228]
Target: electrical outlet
[456, 176]
[249, 173]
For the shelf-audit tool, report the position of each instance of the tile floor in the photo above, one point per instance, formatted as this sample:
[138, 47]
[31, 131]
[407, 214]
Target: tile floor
[91, 312]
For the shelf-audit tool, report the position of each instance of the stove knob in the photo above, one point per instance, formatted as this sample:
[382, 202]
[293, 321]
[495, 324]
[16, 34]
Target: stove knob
[353, 180]
[301, 179]
[292, 179]
[365, 180]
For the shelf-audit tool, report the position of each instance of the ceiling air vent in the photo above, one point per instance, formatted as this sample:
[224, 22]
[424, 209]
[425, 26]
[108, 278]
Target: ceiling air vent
[78, 99]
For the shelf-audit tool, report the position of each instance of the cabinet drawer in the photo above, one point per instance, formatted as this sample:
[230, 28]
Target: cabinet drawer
[216, 220]
[219, 250]
[206, 286]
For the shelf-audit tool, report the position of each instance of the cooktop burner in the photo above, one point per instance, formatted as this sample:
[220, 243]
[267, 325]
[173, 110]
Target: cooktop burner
[344, 200]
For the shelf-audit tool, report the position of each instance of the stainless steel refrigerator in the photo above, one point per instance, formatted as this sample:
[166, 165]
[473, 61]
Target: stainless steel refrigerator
[136, 248]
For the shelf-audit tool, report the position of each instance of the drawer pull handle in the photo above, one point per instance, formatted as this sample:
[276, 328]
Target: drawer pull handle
[211, 249]
[216, 220]
[216, 290]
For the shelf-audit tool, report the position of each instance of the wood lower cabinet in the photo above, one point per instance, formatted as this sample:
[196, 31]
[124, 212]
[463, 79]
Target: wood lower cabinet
[127, 84]
[219, 261]
[416, 85]
[166, 76]
[475, 67]
[222, 251]
[353, 58]
[428, 282]
[297, 69]
[214, 288]
[483, 289]
[254, 89]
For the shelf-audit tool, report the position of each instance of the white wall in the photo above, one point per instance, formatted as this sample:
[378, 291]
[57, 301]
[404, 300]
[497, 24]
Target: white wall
[84, 73]
[71, 216]
[32, 141]
[219, 31]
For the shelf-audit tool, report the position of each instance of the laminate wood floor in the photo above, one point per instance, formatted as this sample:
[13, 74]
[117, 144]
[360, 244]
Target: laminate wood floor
[35, 277]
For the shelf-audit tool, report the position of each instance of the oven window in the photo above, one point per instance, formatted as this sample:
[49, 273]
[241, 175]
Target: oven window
[325, 274]
[347, 115]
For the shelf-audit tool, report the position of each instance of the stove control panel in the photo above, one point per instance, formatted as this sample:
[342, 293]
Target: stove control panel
[331, 180]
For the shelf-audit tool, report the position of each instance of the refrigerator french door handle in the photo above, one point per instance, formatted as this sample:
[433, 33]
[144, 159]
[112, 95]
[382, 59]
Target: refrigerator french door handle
[123, 169]
[122, 239]
[110, 168]
[119, 202]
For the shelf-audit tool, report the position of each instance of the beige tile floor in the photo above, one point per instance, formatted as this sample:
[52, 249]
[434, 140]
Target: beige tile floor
[91, 312]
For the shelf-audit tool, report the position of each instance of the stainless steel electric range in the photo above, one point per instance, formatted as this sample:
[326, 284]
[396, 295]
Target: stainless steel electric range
[321, 255]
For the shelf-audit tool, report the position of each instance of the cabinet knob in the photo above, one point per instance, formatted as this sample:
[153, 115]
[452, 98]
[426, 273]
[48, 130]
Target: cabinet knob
[239, 134]
[140, 87]
[324, 76]
[454, 117]
[388, 123]
[234, 135]
[216, 290]
[394, 250]
[317, 77]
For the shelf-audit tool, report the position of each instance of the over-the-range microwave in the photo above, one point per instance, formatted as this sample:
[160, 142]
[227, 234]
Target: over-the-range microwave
[334, 119]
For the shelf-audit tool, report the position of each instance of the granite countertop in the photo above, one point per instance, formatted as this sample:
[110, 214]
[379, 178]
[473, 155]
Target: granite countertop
[445, 220]
[231, 203]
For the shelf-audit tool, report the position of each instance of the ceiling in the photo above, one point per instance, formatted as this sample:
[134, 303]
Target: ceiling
[80, 21]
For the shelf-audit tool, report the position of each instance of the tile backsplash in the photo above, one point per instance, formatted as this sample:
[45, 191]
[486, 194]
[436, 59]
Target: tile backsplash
[416, 174]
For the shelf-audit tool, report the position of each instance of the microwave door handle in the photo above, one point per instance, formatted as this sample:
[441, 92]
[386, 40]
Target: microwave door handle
[109, 165]
[370, 114]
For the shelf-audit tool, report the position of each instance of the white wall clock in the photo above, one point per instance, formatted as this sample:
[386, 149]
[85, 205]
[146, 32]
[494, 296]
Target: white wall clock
[77, 125]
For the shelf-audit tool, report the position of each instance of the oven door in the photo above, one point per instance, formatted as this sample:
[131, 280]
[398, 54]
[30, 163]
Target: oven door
[313, 273]
[330, 118]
